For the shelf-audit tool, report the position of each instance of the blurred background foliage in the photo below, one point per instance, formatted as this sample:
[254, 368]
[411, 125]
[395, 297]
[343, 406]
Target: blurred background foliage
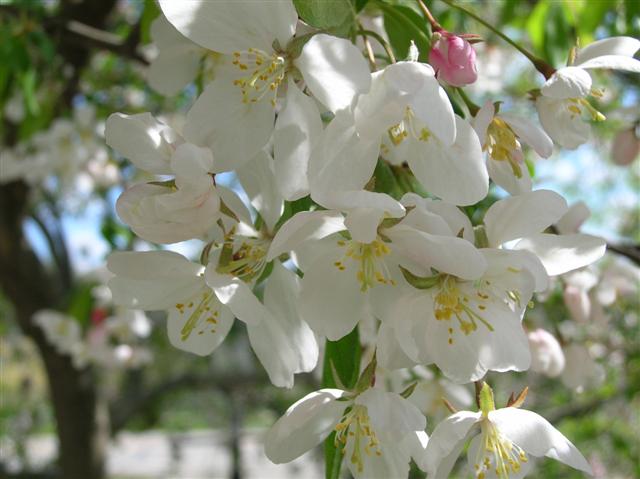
[60, 56]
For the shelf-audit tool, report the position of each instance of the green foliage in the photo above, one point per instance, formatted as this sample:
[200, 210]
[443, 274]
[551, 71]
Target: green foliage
[333, 16]
[404, 25]
[341, 358]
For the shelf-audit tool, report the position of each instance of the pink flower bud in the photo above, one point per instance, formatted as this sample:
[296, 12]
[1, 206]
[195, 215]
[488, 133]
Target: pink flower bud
[453, 59]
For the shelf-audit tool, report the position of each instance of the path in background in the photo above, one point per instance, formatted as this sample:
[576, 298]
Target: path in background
[190, 455]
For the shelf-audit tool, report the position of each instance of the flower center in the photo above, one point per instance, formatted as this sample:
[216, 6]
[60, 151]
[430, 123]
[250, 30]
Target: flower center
[501, 143]
[450, 302]
[246, 261]
[497, 454]
[409, 126]
[355, 426]
[369, 257]
[261, 74]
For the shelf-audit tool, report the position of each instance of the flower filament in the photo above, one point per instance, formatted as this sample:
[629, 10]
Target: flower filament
[203, 311]
[372, 269]
[498, 453]
[262, 74]
[355, 426]
[579, 106]
[247, 261]
[450, 302]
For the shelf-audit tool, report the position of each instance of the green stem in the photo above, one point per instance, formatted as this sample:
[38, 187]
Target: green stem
[435, 26]
[473, 108]
[381, 41]
[542, 66]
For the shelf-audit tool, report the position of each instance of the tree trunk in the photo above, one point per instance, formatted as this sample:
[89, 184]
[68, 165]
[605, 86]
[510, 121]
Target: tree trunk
[82, 421]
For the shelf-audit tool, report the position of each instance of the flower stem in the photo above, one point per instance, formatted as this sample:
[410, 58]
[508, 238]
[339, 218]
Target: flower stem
[473, 108]
[381, 41]
[540, 65]
[435, 26]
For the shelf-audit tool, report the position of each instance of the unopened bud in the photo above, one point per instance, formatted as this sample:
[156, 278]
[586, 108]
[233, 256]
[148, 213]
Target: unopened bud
[453, 58]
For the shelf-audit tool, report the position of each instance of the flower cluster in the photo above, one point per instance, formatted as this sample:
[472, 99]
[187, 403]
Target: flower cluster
[297, 115]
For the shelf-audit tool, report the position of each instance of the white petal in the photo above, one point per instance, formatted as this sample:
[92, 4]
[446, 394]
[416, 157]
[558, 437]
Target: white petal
[235, 131]
[625, 46]
[228, 25]
[280, 297]
[537, 437]
[258, 179]
[153, 280]
[451, 214]
[297, 129]
[444, 253]
[571, 221]
[531, 134]
[562, 253]
[341, 160]
[334, 70]
[469, 356]
[211, 323]
[347, 200]
[385, 103]
[305, 424]
[391, 414]
[191, 161]
[363, 223]
[446, 438]
[614, 62]
[417, 445]
[271, 344]
[431, 105]
[140, 139]
[388, 350]
[455, 173]
[568, 82]
[161, 215]
[302, 227]
[236, 295]
[178, 60]
[423, 220]
[563, 126]
[483, 119]
[519, 216]
[502, 175]
[331, 300]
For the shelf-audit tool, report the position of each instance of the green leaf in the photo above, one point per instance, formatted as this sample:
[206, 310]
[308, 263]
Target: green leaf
[341, 357]
[403, 25]
[334, 16]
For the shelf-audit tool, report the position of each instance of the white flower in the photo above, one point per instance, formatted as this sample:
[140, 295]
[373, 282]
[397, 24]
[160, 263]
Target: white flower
[235, 114]
[505, 440]
[178, 59]
[501, 136]
[201, 313]
[523, 217]
[378, 431]
[562, 106]
[61, 331]
[546, 353]
[408, 112]
[186, 209]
